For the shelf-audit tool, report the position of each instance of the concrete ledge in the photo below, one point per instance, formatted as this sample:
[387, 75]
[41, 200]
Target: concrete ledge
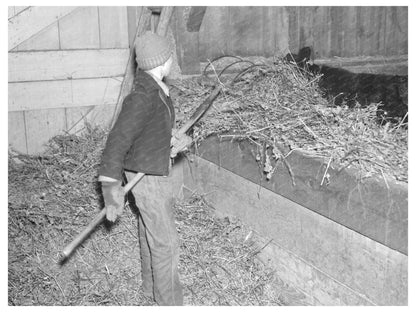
[330, 263]
[374, 208]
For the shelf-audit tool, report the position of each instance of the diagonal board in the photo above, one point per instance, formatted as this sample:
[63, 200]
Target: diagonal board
[32, 20]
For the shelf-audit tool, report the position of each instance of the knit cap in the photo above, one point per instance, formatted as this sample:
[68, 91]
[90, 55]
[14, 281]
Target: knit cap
[152, 50]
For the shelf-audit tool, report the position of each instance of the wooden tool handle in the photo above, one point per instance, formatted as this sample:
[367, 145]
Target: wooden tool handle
[199, 112]
[96, 221]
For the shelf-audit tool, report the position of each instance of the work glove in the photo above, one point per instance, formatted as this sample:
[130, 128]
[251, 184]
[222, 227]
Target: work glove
[179, 143]
[113, 194]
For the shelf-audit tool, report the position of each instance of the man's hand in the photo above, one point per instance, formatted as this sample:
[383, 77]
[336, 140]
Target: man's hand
[113, 194]
[179, 143]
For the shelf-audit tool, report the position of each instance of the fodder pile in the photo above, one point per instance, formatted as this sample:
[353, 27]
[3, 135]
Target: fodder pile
[274, 105]
[52, 197]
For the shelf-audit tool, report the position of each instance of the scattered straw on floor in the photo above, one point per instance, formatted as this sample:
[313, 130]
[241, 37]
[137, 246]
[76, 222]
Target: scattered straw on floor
[52, 197]
[276, 105]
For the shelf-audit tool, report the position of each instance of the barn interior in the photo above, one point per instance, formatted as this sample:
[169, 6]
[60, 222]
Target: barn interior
[294, 191]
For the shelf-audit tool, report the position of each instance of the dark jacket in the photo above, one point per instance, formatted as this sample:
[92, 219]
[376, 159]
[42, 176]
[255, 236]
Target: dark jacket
[140, 138]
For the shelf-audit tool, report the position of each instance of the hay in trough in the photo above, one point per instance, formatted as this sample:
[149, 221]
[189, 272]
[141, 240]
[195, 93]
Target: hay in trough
[53, 196]
[274, 105]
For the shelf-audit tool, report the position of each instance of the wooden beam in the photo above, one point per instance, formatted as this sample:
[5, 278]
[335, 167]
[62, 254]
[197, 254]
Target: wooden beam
[195, 17]
[187, 44]
[75, 64]
[63, 93]
[32, 20]
[165, 16]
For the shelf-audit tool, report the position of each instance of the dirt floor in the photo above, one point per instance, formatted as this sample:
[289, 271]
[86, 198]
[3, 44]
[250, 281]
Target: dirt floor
[52, 197]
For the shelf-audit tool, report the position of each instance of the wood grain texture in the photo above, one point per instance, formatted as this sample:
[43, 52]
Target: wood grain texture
[213, 40]
[341, 31]
[187, 43]
[32, 20]
[63, 93]
[332, 264]
[75, 64]
[368, 208]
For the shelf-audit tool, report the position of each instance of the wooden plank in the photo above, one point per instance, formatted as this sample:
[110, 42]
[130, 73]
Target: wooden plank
[41, 125]
[396, 31]
[17, 131]
[306, 26]
[321, 33]
[164, 21]
[19, 9]
[330, 262]
[246, 22]
[63, 93]
[293, 13]
[195, 17]
[213, 33]
[32, 20]
[75, 64]
[348, 22]
[281, 26]
[113, 27]
[80, 29]
[368, 208]
[187, 43]
[371, 28]
[46, 39]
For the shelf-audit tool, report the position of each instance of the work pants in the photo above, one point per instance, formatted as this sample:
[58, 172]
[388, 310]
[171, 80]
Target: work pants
[159, 243]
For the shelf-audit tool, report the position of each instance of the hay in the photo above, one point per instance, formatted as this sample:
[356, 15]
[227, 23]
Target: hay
[277, 108]
[53, 196]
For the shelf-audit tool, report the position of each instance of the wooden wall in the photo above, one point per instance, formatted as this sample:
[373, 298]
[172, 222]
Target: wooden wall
[331, 31]
[66, 66]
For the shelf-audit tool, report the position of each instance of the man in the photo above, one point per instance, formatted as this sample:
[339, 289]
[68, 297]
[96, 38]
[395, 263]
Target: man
[140, 141]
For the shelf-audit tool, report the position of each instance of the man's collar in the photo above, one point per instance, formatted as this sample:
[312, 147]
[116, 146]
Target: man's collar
[148, 82]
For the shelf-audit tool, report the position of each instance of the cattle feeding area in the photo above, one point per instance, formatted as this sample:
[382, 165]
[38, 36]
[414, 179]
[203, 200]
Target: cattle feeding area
[272, 104]
[275, 106]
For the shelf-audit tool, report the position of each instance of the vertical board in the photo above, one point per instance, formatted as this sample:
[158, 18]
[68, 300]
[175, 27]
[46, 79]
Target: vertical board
[321, 33]
[46, 39]
[281, 26]
[269, 45]
[305, 26]
[396, 31]
[293, 13]
[344, 31]
[245, 35]
[80, 29]
[213, 33]
[348, 22]
[187, 43]
[17, 131]
[371, 28]
[41, 125]
[113, 27]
